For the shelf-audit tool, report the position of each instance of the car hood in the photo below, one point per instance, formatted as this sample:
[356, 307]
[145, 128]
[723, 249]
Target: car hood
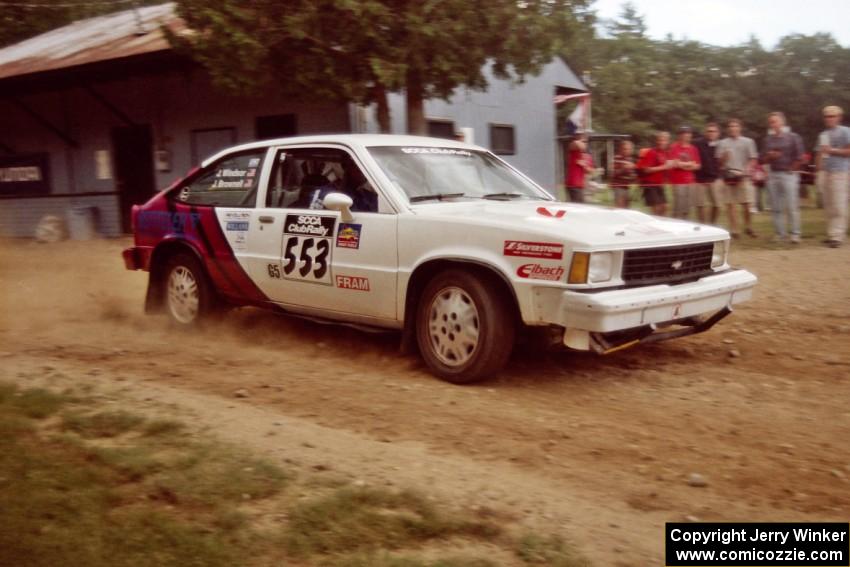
[586, 225]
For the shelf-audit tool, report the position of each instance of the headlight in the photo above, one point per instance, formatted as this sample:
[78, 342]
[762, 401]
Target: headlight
[591, 268]
[721, 250]
[601, 267]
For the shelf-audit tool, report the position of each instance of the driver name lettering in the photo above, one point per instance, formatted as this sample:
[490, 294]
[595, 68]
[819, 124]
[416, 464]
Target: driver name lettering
[547, 250]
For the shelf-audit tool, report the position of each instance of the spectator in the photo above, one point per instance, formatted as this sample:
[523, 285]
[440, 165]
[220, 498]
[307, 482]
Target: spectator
[738, 158]
[834, 161]
[783, 153]
[655, 165]
[579, 164]
[685, 162]
[708, 179]
[625, 173]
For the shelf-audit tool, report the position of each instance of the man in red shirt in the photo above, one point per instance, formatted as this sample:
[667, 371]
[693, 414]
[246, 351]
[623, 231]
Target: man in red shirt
[654, 166]
[686, 161]
[579, 163]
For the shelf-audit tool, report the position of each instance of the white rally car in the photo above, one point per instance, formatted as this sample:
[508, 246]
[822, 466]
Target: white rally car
[439, 239]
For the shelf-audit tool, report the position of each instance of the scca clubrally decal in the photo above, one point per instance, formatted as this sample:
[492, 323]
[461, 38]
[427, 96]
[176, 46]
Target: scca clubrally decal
[307, 248]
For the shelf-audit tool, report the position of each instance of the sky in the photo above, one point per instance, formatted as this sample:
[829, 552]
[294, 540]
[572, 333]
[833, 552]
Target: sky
[730, 22]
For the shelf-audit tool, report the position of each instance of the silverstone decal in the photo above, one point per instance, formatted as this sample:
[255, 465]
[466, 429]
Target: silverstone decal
[352, 282]
[236, 225]
[307, 248]
[548, 213]
[348, 235]
[538, 272]
[546, 250]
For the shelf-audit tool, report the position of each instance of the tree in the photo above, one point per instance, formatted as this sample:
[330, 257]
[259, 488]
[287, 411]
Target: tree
[359, 50]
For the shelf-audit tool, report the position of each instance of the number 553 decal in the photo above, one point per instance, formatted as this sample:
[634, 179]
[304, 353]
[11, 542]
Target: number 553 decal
[307, 248]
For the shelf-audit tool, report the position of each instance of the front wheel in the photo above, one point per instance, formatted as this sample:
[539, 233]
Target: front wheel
[188, 296]
[464, 327]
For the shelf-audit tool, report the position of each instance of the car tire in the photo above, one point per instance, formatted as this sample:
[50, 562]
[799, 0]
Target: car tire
[187, 294]
[464, 327]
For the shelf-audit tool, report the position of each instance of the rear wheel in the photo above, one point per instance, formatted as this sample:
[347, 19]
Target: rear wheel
[188, 294]
[464, 327]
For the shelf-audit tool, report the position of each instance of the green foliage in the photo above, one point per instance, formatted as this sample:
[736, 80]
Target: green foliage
[641, 84]
[551, 551]
[360, 49]
[350, 520]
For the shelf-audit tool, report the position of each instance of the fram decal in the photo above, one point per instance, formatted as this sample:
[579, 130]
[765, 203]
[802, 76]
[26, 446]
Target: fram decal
[538, 272]
[547, 213]
[348, 235]
[352, 282]
[312, 225]
[547, 250]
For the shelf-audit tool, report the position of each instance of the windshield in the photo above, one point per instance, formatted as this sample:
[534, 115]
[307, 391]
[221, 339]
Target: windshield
[425, 173]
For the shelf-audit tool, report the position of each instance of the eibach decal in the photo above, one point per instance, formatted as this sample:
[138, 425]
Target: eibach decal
[540, 272]
[545, 250]
[352, 282]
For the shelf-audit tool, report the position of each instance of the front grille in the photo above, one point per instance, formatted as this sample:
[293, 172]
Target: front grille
[671, 264]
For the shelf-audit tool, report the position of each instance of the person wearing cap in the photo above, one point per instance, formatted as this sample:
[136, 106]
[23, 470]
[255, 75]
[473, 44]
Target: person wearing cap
[783, 153]
[834, 160]
[686, 161]
[738, 158]
[709, 183]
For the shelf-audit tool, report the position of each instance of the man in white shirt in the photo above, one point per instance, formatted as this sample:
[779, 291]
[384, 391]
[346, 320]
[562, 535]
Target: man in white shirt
[738, 158]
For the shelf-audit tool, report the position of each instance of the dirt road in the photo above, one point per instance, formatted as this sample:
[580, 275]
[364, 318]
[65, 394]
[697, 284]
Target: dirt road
[601, 450]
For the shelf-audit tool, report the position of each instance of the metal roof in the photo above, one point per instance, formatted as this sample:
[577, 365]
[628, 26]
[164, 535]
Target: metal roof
[113, 36]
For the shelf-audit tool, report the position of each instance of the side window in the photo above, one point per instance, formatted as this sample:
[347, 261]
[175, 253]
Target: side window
[230, 182]
[302, 178]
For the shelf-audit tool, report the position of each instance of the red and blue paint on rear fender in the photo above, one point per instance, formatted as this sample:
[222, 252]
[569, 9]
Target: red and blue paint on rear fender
[162, 220]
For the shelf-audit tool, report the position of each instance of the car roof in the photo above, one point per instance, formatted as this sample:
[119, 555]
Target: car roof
[351, 140]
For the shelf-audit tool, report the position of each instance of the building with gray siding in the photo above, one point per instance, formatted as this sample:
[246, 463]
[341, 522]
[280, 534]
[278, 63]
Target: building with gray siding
[102, 113]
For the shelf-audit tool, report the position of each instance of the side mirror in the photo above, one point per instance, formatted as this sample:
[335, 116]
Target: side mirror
[339, 202]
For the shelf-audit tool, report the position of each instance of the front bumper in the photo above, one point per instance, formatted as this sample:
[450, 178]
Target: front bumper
[616, 310]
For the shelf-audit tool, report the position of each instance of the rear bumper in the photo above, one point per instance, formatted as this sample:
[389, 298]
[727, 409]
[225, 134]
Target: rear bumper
[136, 258]
[616, 310]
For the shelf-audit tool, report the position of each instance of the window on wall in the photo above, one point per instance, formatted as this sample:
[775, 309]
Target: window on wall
[502, 139]
[275, 126]
[230, 182]
[441, 129]
[208, 141]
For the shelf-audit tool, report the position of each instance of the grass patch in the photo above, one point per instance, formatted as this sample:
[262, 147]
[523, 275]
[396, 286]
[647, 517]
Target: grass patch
[550, 551]
[110, 488]
[350, 520]
[162, 427]
[102, 424]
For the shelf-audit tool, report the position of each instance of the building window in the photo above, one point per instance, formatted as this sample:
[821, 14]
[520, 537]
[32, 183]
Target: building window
[441, 129]
[502, 139]
[275, 126]
[207, 142]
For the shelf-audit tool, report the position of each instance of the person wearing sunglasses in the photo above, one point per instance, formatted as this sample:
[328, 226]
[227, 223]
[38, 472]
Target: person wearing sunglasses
[834, 160]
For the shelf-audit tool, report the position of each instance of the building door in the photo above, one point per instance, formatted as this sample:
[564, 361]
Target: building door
[132, 149]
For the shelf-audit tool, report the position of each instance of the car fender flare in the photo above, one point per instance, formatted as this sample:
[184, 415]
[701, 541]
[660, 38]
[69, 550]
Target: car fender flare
[424, 270]
[170, 245]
